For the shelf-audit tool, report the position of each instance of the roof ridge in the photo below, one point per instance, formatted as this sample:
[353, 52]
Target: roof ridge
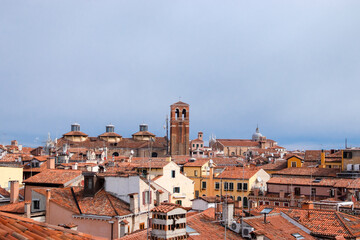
[337, 214]
[112, 205]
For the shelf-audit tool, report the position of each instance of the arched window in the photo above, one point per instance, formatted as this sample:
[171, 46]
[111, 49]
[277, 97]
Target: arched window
[239, 198]
[184, 113]
[245, 202]
[177, 114]
[154, 154]
[115, 154]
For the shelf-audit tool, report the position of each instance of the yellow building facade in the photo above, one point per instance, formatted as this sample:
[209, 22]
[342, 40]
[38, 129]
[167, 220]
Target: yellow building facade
[294, 161]
[10, 174]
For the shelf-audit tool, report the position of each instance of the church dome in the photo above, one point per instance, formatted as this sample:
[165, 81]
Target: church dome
[257, 135]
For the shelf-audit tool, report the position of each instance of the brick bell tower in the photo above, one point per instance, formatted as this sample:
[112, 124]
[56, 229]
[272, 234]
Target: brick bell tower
[179, 129]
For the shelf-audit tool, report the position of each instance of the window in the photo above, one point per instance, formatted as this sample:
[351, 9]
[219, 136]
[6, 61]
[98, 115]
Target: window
[176, 189]
[332, 192]
[142, 225]
[196, 194]
[226, 186]
[347, 154]
[293, 164]
[239, 198]
[173, 173]
[89, 184]
[217, 185]
[197, 145]
[239, 186]
[146, 197]
[203, 185]
[313, 191]
[178, 202]
[297, 191]
[154, 154]
[232, 153]
[286, 204]
[277, 204]
[231, 186]
[195, 173]
[245, 202]
[245, 186]
[36, 204]
[201, 145]
[193, 144]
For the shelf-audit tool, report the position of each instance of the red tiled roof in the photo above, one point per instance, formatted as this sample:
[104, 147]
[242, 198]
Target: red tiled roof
[4, 193]
[16, 227]
[322, 222]
[13, 207]
[276, 227]
[238, 142]
[306, 171]
[75, 133]
[278, 165]
[166, 207]
[207, 228]
[237, 173]
[102, 203]
[301, 181]
[144, 133]
[179, 103]
[197, 163]
[109, 134]
[54, 176]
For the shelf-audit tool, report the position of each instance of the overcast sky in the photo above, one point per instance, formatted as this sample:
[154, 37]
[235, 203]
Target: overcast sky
[293, 67]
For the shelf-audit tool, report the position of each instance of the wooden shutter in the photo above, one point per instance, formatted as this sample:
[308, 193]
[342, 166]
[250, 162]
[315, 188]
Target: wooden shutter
[144, 198]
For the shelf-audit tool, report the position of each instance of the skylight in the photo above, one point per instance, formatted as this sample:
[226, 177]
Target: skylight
[297, 236]
[266, 211]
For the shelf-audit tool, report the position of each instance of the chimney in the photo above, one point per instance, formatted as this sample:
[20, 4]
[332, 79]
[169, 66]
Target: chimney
[211, 178]
[50, 163]
[75, 166]
[322, 158]
[308, 205]
[134, 203]
[14, 191]
[282, 194]
[14, 143]
[48, 196]
[228, 211]
[158, 197]
[28, 209]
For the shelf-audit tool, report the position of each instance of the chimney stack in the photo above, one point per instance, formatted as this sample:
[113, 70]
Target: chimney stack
[50, 163]
[134, 203]
[228, 211]
[14, 191]
[27, 209]
[48, 196]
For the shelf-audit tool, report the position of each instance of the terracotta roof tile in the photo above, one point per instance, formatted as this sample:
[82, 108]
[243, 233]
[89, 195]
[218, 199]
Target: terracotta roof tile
[24, 228]
[237, 173]
[322, 222]
[166, 207]
[306, 171]
[208, 229]
[276, 227]
[197, 163]
[302, 181]
[54, 176]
